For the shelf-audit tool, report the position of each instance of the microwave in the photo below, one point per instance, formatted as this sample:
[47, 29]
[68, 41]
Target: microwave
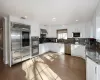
[76, 34]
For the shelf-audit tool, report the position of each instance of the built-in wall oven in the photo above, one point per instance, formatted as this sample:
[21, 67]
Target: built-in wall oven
[35, 45]
[20, 43]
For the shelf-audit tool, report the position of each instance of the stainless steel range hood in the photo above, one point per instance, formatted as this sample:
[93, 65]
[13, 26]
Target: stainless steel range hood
[43, 31]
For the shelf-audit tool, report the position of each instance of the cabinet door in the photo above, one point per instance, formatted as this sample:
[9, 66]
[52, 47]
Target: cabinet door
[78, 50]
[75, 50]
[41, 48]
[46, 47]
[91, 70]
[53, 47]
[59, 48]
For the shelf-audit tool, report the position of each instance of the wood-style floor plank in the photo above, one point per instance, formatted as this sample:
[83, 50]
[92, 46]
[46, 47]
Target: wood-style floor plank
[49, 66]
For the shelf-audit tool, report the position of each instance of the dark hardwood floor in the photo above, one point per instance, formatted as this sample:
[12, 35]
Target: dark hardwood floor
[49, 66]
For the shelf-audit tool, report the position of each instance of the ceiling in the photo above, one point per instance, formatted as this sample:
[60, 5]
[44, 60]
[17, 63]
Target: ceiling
[65, 11]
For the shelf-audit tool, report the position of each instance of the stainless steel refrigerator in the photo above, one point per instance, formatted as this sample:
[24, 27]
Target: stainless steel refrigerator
[20, 43]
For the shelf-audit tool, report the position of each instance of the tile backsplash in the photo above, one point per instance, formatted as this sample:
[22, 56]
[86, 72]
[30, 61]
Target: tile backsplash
[98, 44]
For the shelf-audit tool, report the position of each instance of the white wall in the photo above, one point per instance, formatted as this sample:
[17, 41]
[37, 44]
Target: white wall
[47, 27]
[34, 25]
[83, 28]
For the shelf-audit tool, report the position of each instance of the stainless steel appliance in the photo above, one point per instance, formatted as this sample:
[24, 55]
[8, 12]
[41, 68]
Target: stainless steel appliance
[35, 45]
[76, 34]
[43, 35]
[20, 43]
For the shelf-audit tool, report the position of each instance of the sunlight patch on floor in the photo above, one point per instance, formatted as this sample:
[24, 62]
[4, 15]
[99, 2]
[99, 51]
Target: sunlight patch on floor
[36, 69]
[51, 57]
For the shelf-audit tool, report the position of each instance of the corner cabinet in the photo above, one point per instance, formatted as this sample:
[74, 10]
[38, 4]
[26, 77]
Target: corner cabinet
[41, 49]
[78, 50]
[54, 47]
[92, 70]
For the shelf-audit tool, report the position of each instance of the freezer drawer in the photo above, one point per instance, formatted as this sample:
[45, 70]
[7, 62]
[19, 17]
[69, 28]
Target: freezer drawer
[25, 51]
[16, 60]
[25, 57]
[16, 54]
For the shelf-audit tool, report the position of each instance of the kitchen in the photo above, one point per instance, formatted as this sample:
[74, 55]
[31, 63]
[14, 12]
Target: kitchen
[76, 46]
[74, 37]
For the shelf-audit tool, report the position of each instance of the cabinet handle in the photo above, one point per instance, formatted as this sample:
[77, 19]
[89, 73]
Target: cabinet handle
[95, 70]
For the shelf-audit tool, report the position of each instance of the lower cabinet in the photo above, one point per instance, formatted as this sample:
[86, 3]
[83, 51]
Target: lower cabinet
[41, 48]
[92, 70]
[55, 47]
[78, 50]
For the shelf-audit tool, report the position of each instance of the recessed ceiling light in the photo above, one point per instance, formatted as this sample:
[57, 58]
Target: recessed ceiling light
[76, 20]
[25, 17]
[53, 19]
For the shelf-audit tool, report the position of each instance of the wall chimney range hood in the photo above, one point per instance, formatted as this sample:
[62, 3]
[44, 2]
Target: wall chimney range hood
[43, 31]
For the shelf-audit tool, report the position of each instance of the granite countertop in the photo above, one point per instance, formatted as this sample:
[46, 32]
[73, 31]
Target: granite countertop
[50, 42]
[93, 53]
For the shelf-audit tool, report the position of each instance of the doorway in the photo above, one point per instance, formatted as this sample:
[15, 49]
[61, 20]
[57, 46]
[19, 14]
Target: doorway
[1, 40]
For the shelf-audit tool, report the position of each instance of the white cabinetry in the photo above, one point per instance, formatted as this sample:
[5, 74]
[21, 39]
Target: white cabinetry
[55, 47]
[91, 70]
[78, 50]
[59, 48]
[41, 49]
[47, 47]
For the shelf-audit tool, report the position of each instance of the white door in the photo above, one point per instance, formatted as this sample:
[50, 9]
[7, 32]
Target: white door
[91, 70]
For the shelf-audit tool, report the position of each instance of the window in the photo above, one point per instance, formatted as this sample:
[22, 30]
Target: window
[62, 34]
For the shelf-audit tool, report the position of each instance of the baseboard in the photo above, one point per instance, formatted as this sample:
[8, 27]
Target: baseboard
[5, 62]
[67, 54]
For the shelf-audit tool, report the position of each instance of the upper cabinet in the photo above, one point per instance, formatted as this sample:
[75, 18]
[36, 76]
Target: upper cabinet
[79, 27]
[98, 28]
[97, 22]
